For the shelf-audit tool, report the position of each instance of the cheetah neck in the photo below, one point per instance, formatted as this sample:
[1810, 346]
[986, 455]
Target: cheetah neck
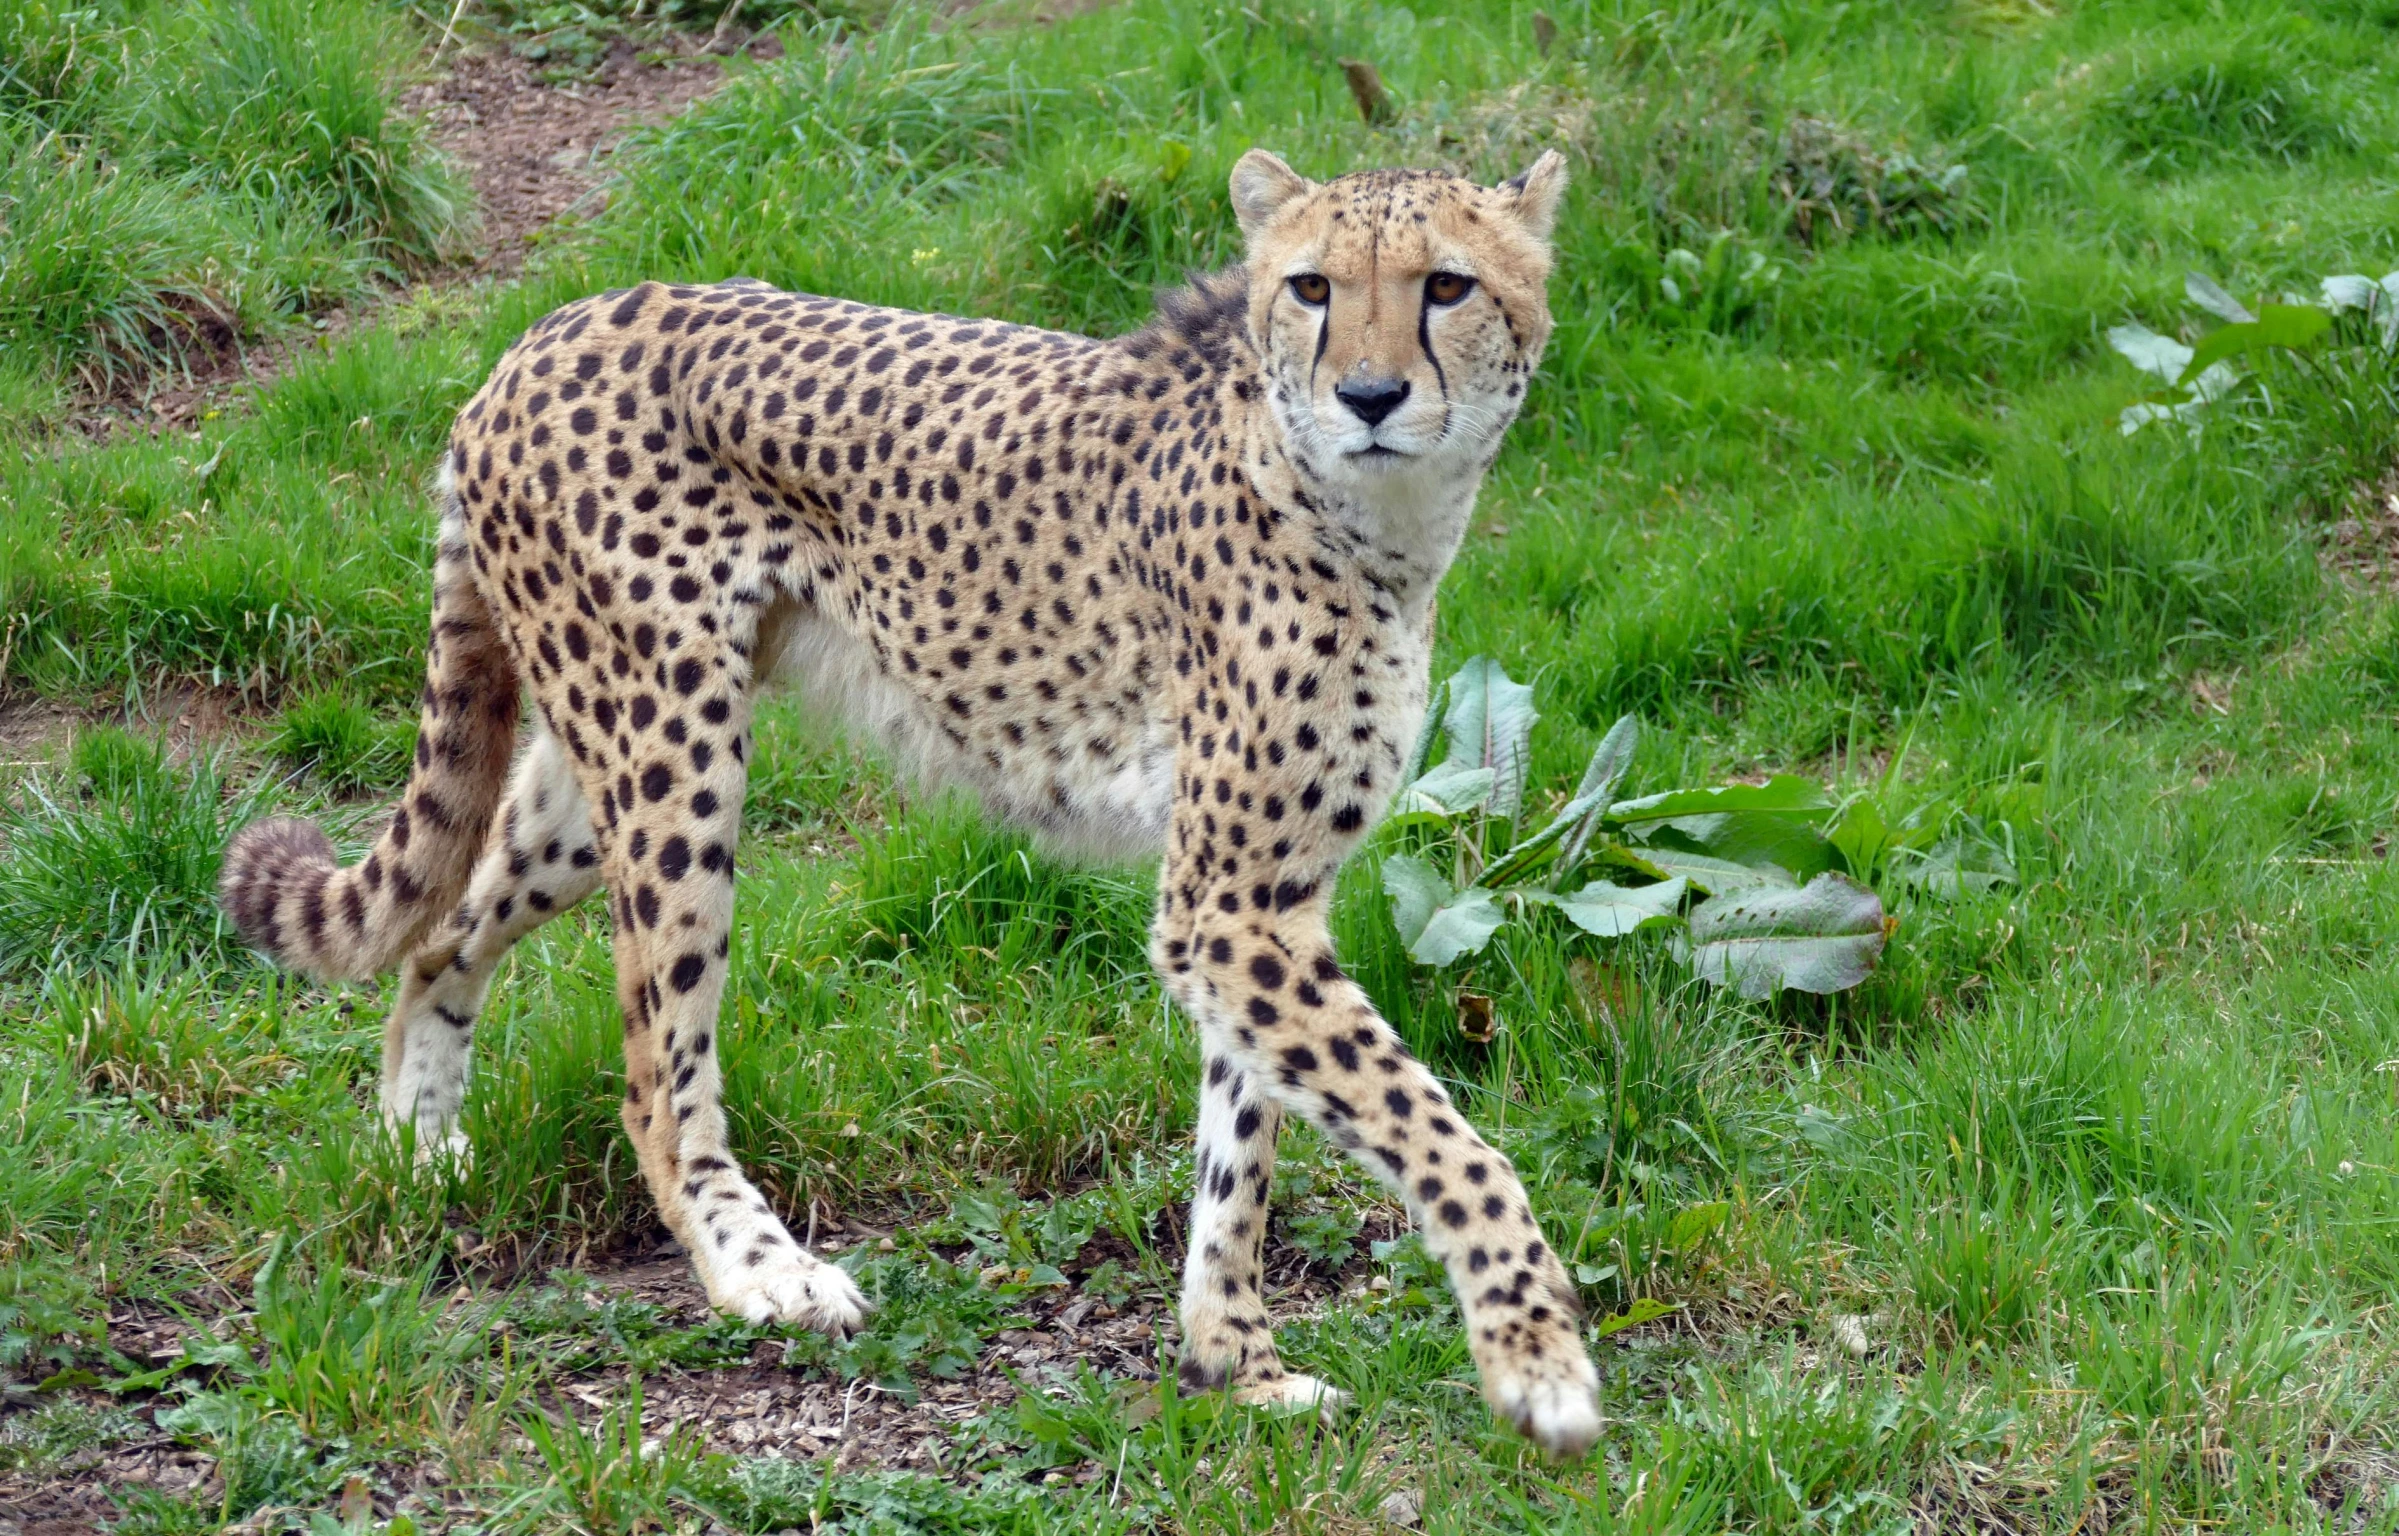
[1401, 527]
[1403, 530]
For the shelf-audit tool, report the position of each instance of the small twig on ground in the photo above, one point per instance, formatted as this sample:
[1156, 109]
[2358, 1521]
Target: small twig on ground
[449, 31]
[724, 24]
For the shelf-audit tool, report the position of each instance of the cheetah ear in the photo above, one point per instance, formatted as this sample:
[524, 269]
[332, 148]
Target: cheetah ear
[1537, 193]
[1261, 185]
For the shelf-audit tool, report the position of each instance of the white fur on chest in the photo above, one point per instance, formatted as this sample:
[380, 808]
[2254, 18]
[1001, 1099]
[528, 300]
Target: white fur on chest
[1073, 803]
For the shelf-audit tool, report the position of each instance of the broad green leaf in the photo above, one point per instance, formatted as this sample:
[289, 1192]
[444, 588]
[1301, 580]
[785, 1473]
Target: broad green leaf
[1822, 1129]
[1578, 818]
[1615, 855]
[2141, 414]
[2379, 300]
[1461, 926]
[1716, 877]
[1612, 911]
[1449, 790]
[1416, 890]
[2291, 326]
[1437, 921]
[2294, 327]
[1785, 792]
[1606, 770]
[1641, 1309]
[1790, 843]
[1825, 937]
[2349, 290]
[1490, 725]
[2203, 291]
[2146, 350]
[72, 1376]
[1861, 835]
[1610, 758]
[1694, 1224]
[1749, 824]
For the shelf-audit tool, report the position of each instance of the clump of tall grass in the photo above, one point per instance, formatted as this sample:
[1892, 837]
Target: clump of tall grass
[878, 125]
[59, 58]
[294, 103]
[116, 856]
[2243, 98]
[100, 263]
[343, 742]
[174, 178]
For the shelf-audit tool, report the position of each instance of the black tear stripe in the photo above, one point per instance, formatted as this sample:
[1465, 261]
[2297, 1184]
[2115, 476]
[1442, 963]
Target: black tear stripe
[1424, 339]
[1324, 332]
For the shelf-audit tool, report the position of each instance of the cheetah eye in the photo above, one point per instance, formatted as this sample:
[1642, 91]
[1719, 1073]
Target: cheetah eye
[1447, 287]
[1311, 289]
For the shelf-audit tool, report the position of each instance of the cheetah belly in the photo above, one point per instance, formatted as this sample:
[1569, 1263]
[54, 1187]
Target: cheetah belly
[1103, 813]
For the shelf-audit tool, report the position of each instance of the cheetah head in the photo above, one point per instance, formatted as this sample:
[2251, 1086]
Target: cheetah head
[1398, 314]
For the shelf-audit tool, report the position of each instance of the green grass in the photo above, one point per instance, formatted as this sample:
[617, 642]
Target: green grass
[175, 178]
[2082, 1214]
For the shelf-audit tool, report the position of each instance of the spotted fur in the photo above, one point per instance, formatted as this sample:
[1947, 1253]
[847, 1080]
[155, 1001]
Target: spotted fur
[1168, 594]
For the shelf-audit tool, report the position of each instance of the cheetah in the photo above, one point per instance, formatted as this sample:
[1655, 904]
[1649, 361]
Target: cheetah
[1168, 595]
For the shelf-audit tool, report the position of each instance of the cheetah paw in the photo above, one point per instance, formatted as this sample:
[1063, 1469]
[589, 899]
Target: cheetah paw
[1553, 1402]
[1292, 1393]
[794, 1288]
[444, 1149]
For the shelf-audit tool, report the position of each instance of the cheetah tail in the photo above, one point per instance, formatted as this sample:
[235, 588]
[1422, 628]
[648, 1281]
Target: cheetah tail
[282, 883]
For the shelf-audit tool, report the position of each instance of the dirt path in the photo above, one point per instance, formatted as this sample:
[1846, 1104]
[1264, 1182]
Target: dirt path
[535, 152]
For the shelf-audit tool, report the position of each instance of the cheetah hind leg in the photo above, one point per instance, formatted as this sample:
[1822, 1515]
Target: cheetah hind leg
[537, 862]
[673, 940]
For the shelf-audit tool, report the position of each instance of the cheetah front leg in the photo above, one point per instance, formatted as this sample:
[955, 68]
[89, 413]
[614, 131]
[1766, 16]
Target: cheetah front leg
[538, 862]
[1265, 982]
[1228, 1339]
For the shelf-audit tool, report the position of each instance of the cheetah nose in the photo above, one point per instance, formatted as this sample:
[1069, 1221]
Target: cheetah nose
[1372, 399]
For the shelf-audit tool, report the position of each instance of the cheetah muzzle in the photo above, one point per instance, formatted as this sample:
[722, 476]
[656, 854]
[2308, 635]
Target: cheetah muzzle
[1167, 595]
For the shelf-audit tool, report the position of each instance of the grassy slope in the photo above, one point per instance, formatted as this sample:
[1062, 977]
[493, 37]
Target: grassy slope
[2105, 1162]
[177, 176]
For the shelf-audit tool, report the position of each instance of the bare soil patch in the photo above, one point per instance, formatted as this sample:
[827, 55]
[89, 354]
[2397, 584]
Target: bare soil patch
[2363, 547]
[534, 151]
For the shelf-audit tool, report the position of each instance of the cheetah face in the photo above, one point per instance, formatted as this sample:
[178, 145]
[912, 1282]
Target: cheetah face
[1399, 314]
